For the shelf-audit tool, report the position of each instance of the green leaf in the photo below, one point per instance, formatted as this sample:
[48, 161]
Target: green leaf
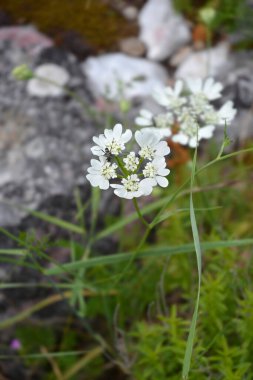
[56, 221]
[153, 251]
[50, 219]
[17, 252]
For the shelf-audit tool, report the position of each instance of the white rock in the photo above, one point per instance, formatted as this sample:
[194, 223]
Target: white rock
[162, 29]
[51, 72]
[210, 62]
[138, 76]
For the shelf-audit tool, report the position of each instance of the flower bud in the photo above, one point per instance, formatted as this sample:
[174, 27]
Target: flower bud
[207, 15]
[22, 72]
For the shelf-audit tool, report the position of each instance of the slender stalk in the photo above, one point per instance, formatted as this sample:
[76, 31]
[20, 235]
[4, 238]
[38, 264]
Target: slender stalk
[146, 224]
[121, 166]
[71, 93]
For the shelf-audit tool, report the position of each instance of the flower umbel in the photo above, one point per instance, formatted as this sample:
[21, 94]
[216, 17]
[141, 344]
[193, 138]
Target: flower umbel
[188, 112]
[125, 173]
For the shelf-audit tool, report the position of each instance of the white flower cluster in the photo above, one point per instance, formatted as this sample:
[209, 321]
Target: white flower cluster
[133, 175]
[189, 115]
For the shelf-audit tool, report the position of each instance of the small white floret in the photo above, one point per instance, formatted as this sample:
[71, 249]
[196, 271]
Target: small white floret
[112, 141]
[208, 88]
[53, 79]
[100, 172]
[150, 145]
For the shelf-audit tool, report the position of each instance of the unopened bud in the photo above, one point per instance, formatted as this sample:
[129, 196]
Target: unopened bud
[22, 72]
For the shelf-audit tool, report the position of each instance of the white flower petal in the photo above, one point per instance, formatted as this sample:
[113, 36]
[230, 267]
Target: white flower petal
[97, 151]
[193, 142]
[163, 172]
[162, 148]
[126, 136]
[180, 138]
[142, 122]
[162, 181]
[178, 87]
[117, 131]
[206, 132]
[146, 114]
[146, 185]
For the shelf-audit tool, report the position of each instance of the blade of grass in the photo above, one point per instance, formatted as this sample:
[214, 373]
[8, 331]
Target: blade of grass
[15, 252]
[80, 364]
[49, 219]
[191, 336]
[42, 356]
[56, 370]
[153, 251]
[45, 303]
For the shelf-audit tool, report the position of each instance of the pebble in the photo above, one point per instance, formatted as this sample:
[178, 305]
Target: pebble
[132, 46]
[180, 56]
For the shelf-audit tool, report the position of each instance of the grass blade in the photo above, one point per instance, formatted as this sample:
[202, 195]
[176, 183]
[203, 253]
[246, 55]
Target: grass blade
[15, 252]
[153, 251]
[191, 336]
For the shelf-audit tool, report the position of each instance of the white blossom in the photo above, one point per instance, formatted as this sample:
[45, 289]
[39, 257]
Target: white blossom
[170, 97]
[160, 123]
[155, 172]
[226, 113]
[132, 187]
[192, 135]
[150, 145]
[100, 172]
[145, 119]
[209, 89]
[48, 80]
[112, 141]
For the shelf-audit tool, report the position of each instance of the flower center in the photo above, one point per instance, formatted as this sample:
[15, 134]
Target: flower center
[163, 120]
[210, 117]
[115, 147]
[199, 102]
[188, 124]
[147, 152]
[149, 170]
[131, 162]
[176, 102]
[109, 170]
[131, 183]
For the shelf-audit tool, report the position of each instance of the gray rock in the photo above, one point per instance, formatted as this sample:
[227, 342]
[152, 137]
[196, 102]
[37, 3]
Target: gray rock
[45, 143]
[210, 62]
[138, 76]
[132, 46]
[162, 29]
[239, 79]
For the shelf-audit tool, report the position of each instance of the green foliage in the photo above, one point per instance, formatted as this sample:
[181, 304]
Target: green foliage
[229, 15]
[223, 348]
[137, 307]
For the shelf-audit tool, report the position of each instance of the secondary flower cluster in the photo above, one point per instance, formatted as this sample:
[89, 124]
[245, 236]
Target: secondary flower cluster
[131, 174]
[189, 115]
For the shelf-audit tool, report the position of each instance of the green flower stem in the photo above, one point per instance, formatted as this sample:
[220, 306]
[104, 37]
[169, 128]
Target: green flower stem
[121, 166]
[140, 214]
